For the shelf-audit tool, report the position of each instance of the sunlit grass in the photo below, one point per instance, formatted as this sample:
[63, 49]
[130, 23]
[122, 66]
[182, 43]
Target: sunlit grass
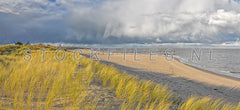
[206, 103]
[41, 84]
[53, 84]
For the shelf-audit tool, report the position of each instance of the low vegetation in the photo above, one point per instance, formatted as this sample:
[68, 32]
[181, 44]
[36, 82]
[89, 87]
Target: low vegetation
[85, 84]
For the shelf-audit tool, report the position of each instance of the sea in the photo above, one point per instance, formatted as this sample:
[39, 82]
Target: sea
[220, 61]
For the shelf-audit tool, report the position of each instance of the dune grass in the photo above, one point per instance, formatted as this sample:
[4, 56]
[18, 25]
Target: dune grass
[63, 84]
[37, 84]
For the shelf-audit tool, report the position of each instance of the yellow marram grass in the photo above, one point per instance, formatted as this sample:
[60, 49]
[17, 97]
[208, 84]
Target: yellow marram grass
[50, 82]
[206, 103]
[56, 84]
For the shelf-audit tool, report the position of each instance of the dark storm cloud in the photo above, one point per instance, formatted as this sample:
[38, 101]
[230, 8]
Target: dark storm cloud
[25, 28]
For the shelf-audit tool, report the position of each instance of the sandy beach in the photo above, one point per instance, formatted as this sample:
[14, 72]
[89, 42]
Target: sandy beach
[173, 68]
[182, 79]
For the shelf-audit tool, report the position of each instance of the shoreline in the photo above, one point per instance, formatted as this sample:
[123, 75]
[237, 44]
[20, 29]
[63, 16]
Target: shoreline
[209, 71]
[218, 73]
[174, 68]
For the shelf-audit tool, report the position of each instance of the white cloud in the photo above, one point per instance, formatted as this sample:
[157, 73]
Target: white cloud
[167, 21]
[223, 18]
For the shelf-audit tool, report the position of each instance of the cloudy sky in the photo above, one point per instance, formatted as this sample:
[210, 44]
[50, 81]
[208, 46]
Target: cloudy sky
[120, 21]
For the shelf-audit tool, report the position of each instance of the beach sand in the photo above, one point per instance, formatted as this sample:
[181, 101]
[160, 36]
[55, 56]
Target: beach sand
[173, 67]
[180, 78]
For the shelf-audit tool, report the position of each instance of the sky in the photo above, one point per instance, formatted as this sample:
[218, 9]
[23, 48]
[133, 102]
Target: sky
[205, 22]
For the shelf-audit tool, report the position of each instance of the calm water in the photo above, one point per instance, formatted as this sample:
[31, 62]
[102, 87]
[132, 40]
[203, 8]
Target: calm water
[220, 61]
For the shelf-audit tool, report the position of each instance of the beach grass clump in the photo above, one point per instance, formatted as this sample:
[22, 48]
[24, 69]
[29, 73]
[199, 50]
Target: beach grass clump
[206, 103]
[45, 84]
[137, 94]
